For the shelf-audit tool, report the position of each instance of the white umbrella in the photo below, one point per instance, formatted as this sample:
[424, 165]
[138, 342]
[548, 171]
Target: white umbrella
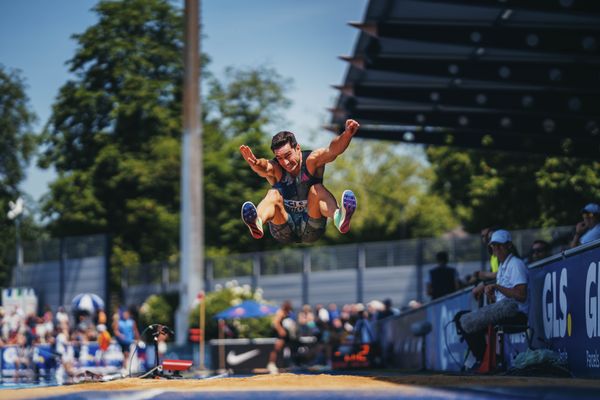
[87, 302]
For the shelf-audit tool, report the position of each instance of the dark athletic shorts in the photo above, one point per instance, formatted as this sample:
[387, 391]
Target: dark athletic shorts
[299, 228]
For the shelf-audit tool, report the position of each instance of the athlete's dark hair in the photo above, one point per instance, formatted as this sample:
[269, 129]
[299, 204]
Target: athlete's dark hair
[281, 138]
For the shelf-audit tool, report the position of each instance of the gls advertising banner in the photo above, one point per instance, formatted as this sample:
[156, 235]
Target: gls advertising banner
[445, 350]
[565, 309]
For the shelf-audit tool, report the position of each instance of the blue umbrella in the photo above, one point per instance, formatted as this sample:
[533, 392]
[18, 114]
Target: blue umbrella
[87, 302]
[247, 309]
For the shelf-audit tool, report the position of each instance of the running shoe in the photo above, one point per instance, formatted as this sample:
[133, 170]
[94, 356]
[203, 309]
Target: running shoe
[342, 215]
[272, 368]
[251, 219]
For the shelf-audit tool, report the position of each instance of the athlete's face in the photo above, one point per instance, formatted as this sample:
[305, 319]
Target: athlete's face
[289, 157]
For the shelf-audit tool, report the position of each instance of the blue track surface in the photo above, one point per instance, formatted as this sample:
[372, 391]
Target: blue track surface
[404, 392]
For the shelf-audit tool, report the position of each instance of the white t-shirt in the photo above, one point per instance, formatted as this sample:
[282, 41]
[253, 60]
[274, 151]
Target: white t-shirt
[512, 272]
[590, 235]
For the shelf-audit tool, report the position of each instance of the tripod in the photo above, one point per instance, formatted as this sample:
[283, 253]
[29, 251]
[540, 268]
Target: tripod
[157, 371]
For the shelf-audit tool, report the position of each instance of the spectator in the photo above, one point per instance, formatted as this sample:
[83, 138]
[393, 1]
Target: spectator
[443, 279]
[363, 330]
[486, 235]
[587, 230]
[508, 297]
[540, 249]
[306, 321]
[126, 333]
[388, 310]
[281, 333]
[101, 317]
[482, 276]
[62, 318]
[103, 337]
[321, 314]
[333, 312]
[374, 307]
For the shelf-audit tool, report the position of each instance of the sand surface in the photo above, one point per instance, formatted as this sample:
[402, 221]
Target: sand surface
[294, 382]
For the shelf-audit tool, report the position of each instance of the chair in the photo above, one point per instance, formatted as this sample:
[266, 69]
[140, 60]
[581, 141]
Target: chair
[507, 329]
[494, 358]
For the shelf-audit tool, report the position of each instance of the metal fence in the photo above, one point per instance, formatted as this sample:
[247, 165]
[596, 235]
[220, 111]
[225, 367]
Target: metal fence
[362, 270]
[59, 269]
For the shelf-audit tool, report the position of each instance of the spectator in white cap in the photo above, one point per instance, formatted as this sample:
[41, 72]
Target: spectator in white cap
[588, 229]
[507, 297]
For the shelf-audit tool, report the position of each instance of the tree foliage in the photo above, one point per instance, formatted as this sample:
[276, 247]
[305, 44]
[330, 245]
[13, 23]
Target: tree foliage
[113, 135]
[393, 190]
[515, 191]
[17, 144]
[221, 299]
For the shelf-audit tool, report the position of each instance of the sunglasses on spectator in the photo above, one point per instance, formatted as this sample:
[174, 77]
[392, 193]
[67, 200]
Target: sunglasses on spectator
[587, 214]
[538, 250]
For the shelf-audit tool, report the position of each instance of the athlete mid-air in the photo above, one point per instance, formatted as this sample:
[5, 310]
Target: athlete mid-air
[297, 206]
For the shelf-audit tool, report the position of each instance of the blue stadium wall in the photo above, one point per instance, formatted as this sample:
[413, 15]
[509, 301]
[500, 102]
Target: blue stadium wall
[564, 316]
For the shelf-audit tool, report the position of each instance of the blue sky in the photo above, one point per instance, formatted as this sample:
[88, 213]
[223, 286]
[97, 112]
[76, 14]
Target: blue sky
[300, 39]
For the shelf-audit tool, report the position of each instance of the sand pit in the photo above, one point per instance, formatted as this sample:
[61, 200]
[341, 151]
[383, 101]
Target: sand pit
[292, 382]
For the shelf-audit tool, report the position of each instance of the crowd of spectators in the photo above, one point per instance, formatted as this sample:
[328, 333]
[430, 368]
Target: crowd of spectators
[350, 325]
[63, 333]
[443, 279]
[331, 325]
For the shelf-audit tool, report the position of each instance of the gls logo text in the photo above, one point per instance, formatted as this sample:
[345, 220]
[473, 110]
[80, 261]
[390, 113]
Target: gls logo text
[554, 305]
[592, 301]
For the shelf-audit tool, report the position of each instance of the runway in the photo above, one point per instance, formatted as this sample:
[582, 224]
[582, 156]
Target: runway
[323, 386]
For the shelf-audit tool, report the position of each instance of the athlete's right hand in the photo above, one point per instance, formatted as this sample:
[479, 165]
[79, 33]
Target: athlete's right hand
[248, 155]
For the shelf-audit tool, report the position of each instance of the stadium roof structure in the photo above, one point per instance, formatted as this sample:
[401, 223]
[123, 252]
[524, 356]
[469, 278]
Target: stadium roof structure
[504, 75]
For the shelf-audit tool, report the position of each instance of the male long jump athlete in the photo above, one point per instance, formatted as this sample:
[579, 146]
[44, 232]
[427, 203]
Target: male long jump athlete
[298, 205]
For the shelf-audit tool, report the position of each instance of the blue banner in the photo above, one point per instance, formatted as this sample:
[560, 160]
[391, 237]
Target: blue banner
[14, 358]
[445, 350]
[565, 309]
[44, 358]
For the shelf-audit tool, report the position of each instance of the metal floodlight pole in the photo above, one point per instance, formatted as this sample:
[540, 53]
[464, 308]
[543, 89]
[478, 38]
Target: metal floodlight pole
[192, 205]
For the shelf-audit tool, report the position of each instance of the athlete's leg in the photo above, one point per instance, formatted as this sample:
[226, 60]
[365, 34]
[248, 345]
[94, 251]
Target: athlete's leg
[270, 209]
[342, 216]
[321, 202]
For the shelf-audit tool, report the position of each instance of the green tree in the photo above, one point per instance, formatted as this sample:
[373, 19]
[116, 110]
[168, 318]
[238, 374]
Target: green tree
[223, 298]
[17, 143]
[513, 190]
[113, 135]
[566, 185]
[393, 190]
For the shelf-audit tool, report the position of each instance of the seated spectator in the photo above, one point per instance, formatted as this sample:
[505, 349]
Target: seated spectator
[483, 276]
[388, 310]
[588, 229]
[486, 235]
[363, 329]
[321, 314]
[333, 311]
[443, 279]
[508, 297]
[540, 249]
[306, 321]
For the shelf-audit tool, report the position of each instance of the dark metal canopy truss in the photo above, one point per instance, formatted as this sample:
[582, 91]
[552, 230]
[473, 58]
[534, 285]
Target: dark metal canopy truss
[521, 76]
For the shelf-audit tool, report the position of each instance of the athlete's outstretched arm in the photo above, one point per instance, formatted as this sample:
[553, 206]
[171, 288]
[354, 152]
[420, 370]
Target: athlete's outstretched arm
[261, 166]
[337, 146]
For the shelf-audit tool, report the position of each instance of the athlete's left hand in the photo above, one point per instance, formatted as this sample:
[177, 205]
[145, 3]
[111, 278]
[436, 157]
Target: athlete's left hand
[352, 126]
